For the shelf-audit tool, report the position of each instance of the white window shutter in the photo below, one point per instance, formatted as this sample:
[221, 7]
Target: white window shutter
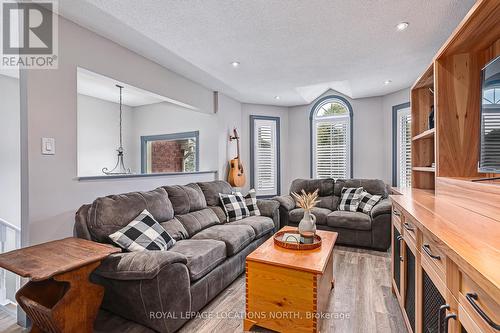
[332, 149]
[404, 139]
[265, 170]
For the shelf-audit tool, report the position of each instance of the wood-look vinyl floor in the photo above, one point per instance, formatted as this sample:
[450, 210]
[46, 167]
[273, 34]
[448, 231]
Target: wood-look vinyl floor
[362, 301]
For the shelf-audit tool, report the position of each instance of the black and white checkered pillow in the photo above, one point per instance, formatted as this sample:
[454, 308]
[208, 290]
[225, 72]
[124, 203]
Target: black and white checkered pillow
[368, 201]
[234, 206]
[350, 198]
[251, 202]
[143, 233]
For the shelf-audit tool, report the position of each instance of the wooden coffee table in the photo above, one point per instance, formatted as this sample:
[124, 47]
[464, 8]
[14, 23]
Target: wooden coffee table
[287, 290]
[59, 296]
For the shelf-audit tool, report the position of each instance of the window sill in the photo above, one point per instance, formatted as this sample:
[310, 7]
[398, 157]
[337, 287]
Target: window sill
[144, 175]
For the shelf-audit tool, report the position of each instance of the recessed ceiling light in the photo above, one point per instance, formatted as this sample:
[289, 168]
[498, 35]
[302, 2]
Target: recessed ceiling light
[235, 64]
[402, 26]
[386, 82]
[276, 97]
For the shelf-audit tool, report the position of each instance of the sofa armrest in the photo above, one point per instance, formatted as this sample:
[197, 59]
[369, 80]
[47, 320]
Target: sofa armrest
[270, 208]
[142, 265]
[384, 206]
[286, 202]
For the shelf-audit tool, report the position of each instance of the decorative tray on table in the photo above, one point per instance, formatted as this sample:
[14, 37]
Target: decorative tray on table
[291, 240]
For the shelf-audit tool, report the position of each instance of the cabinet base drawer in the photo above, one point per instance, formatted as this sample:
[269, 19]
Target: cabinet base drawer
[480, 306]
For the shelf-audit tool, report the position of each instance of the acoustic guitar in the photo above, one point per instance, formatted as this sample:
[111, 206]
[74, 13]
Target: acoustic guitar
[236, 175]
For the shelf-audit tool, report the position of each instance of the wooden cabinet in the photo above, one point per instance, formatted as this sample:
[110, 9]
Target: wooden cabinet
[441, 278]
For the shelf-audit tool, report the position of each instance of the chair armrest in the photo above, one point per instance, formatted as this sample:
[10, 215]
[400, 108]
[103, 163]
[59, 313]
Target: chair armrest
[142, 265]
[384, 206]
[270, 208]
[286, 201]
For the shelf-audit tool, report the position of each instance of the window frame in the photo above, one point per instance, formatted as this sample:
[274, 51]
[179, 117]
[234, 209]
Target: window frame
[253, 118]
[169, 137]
[396, 109]
[312, 131]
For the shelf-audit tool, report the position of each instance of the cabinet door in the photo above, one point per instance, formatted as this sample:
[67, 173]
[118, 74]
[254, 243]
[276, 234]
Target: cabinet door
[396, 260]
[410, 286]
[433, 306]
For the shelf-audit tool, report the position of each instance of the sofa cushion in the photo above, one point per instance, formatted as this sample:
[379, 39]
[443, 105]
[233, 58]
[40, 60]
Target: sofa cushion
[202, 255]
[186, 198]
[295, 215]
[234, 206]
[350, 199]
[367, 202]
[372, 186]
[144, 233]
[349, 220]
[212, 189]
[199, 220]
[236, 237]
[261, 225]
[219, 211]
[175, 229]
[107, 215]
[330, 202]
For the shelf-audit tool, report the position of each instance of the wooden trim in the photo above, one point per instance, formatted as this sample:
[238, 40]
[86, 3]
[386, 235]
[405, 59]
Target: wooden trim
[425, 134]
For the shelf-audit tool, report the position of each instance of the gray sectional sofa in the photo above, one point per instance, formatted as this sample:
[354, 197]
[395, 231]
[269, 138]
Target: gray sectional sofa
[159, 289]
[354, 228]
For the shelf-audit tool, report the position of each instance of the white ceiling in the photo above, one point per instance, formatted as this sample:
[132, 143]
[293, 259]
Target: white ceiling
[296, 49]
[103, 87]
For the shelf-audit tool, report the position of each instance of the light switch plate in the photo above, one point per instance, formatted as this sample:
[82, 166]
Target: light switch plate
[48, 146]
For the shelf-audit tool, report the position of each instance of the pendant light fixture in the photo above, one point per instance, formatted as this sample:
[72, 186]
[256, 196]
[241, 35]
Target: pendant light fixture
[119, 168]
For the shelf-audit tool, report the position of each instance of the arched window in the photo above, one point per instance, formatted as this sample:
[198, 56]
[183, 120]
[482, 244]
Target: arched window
[331, 138]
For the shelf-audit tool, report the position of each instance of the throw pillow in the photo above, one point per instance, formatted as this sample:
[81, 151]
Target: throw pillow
[350, 198]
[251, 202]
[143, 233]
[368, 201]
[234, 206]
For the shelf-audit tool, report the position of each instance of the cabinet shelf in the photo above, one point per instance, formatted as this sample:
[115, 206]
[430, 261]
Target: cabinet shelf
[424, 169]
[426, 134]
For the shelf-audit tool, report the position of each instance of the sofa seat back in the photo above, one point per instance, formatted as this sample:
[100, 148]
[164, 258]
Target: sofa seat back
[109, 214]
[325, 194]
[372, 186]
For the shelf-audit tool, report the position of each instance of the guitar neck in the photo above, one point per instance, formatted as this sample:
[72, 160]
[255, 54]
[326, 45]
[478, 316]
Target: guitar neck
[238, 148]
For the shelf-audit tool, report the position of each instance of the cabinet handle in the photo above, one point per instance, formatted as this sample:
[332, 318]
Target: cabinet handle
[408, 227]
[446, 320]
[441, 312]
[472, 298]
[427, 250]
[395, 212]
[400, 258]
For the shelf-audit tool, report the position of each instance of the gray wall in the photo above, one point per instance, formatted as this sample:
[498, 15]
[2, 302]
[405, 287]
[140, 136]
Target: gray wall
[10, 159]
[98, 135]
[388, 101]
[368, 138]
[167, 118]
[50, 109]
[265, 110]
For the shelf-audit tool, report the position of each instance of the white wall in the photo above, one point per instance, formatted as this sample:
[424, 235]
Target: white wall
[265, 110]
[49, 109]
[368, 139]
[167, 118]
[10, 158]
[98, 135]
[388, 101]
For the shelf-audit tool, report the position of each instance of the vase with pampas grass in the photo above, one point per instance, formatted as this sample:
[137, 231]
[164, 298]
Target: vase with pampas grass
[307, 226]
